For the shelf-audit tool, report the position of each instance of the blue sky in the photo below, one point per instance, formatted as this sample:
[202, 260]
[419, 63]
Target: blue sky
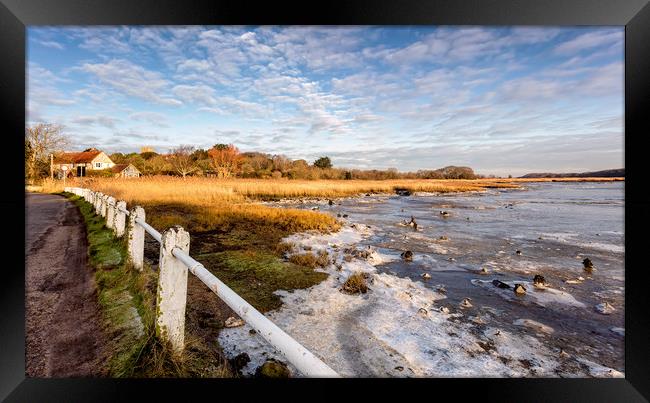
[503, 100]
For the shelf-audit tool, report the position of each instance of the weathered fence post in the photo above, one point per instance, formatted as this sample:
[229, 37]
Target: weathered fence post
[110, 212]
[172, 288]
[100, 196]
[120, 218]
[104, 205]
[135, 244]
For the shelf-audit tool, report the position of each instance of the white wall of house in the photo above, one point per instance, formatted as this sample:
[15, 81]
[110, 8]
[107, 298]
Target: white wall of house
[101, 161]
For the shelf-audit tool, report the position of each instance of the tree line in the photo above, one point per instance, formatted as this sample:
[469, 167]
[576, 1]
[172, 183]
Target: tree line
[226, 161]
[221, 161]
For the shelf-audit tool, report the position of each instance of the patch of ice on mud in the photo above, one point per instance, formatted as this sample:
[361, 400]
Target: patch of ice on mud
[541, 296]
[396, 329]
[599, 371]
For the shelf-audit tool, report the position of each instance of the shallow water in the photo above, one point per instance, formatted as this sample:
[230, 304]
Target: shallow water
[554, 226]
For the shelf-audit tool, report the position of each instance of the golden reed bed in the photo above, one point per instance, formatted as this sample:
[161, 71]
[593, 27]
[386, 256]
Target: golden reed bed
[208, 203]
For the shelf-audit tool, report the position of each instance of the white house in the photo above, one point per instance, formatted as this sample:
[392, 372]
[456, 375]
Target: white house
[79, 163]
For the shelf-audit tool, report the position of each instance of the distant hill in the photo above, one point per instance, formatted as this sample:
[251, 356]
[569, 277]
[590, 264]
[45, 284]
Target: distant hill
[608, 173]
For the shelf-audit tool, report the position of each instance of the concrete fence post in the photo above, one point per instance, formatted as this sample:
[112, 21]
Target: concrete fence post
[172, 288]
[110, 212]
[98, 205]
[104, 205]
[120, 218]
[135, 244]
[98, 196]
[101, 204]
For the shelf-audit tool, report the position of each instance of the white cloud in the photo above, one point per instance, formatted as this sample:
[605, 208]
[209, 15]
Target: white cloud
[96, 120]
[589, 41]
[200, 94]
[52, 44]
[132, 80]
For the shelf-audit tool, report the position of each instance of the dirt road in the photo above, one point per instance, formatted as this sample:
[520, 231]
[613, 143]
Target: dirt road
[64, 335]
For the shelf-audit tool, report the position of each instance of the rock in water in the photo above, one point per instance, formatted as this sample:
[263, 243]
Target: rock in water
[273, 369]
[331, 203]
[605, 308]
[426, 276]
[500, 284]
[466, 303]
[539, 281]
[234, 322]
[444, 309]
[588, 265]
[422, 311]
[407, 255]
[520, 289]
[518, 252]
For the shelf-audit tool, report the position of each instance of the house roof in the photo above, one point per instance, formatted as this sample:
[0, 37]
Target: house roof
[76, 158]
[117, 168]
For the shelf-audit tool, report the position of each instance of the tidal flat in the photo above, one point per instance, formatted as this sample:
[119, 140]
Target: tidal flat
[451, 310]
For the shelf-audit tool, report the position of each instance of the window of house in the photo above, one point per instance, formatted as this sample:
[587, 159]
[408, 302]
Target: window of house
[98, 164]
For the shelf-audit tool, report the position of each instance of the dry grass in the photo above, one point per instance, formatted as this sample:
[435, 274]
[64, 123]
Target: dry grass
[204, 191]
[355, 284]
[310, 260]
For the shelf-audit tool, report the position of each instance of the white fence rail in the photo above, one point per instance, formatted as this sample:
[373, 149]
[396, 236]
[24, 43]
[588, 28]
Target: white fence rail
[174, 264]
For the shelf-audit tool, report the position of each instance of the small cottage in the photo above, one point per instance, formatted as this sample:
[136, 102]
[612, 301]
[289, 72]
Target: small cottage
[125, 171]
[80, 162]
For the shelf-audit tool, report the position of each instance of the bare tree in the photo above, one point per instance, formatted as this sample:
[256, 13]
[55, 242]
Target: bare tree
[182, 161]
[43, 139]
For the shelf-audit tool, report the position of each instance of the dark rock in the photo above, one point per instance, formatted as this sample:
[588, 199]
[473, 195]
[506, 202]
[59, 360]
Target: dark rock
[367, 194]
[331, 203]
[445, 213]
[345, 216]
[400, 368]
[407, 255]
[539, 280]
[403, 192]
[252, 331]
[339, 215]
[500, 284]
[240, 361]
[273, 369]
[518, 252]
[588, 264]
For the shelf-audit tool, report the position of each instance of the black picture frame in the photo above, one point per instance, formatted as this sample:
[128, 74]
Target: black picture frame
[15, 15]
